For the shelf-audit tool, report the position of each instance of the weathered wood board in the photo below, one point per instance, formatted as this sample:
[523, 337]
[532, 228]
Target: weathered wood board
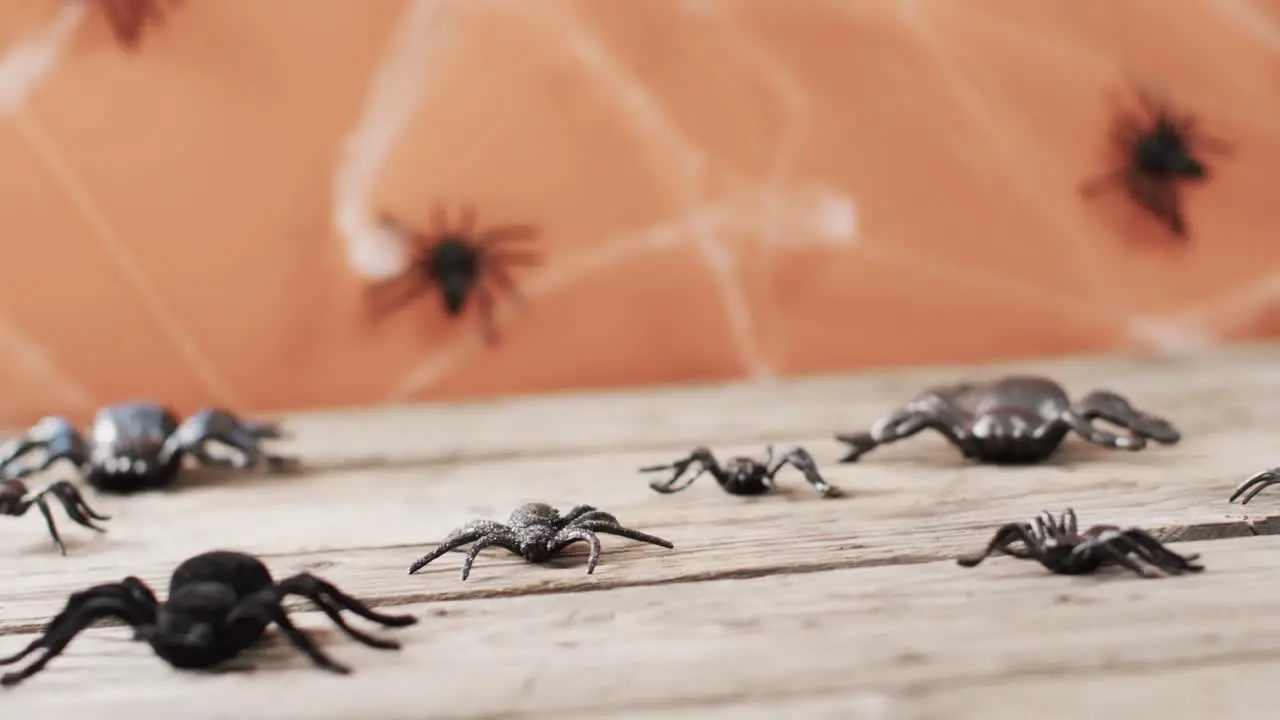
[784, 605]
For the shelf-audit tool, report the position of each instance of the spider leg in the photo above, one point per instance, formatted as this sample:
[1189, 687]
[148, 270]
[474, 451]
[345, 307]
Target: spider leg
[74, 504]
[333, 601]
[1115, 409]
[905, 423]
[502, 279]
[470, 533]
[275, 613]
[56, 436]
[1254, 485]
[1000, 542]
[53, 527]
[484, 543]
[612, 527]
[59, 635]
[701, 456]
[1159, 553]
[223, 427]
[1113, 553]
[800, 459]
[570, 535]
[578, 511]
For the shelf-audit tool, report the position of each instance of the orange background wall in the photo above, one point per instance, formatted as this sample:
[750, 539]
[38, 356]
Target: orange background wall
[724, 189]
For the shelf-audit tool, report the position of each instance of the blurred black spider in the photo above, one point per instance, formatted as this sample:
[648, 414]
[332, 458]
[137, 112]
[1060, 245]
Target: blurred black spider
[220, 604]
[16, 499]
[742, 475]
[1250, 488]
[458, 261]
[1058, 545]
[1156, 150]
[537, 532]
[134, 446]
[128, 18]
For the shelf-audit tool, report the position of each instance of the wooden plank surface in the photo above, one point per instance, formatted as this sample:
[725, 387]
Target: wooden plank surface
[782, 605]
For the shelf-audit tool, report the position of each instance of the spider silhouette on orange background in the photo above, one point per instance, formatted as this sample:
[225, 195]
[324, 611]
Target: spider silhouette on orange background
[128, 18]
[460, 261]
[1156, 151]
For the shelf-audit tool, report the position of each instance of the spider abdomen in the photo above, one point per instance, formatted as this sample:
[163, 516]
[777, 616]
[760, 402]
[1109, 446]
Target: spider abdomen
[745, 476]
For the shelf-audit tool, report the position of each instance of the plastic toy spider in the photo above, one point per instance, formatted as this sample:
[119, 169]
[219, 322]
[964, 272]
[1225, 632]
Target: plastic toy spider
[16, 499]
[128, 18]
[1016, 419]
[140, 445]
[742, 475]
[537, 532]
[220, 604]
[1156, 150]
[460, 262]
[1250, 488]
[1057, 544]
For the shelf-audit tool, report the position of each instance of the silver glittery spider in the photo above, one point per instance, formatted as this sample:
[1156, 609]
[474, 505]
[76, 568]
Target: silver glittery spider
[537, 532]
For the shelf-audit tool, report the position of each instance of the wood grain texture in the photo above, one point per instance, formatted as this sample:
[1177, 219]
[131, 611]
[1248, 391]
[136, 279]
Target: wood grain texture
[906, 641]
[787, 604]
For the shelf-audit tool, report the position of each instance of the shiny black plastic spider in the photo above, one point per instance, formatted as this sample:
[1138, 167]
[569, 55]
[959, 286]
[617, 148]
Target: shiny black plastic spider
[742, 475]
[1058, 545]
[537, 532]
[128, 18]
[1013, 420]
[459, 261]
[1250, 488]
[16, 499]
[137, 446]
[1155, 150]
[220, 604]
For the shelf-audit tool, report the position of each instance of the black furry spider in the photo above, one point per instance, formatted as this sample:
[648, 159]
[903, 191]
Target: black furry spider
[1057, 544]
[1017, 419]
[742, 475]
[127, 18]
[16, 499]
[458, 261]
[220, 603]
[140, 445]
[537, 532]
[1250, 488]
[1155, 151]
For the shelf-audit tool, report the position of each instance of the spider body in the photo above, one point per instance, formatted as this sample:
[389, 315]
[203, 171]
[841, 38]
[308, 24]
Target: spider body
[460, 262]
[1014, 420]
[537, 532]
[741, 475]
[220, 604]
[16, 499]
[1157, 150]
[1057, 543]
[136, 446]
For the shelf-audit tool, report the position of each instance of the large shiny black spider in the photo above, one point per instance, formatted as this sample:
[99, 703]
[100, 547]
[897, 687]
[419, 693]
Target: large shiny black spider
[1156, 150]
[459, 261]
[1057, 543]
[220, 604]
